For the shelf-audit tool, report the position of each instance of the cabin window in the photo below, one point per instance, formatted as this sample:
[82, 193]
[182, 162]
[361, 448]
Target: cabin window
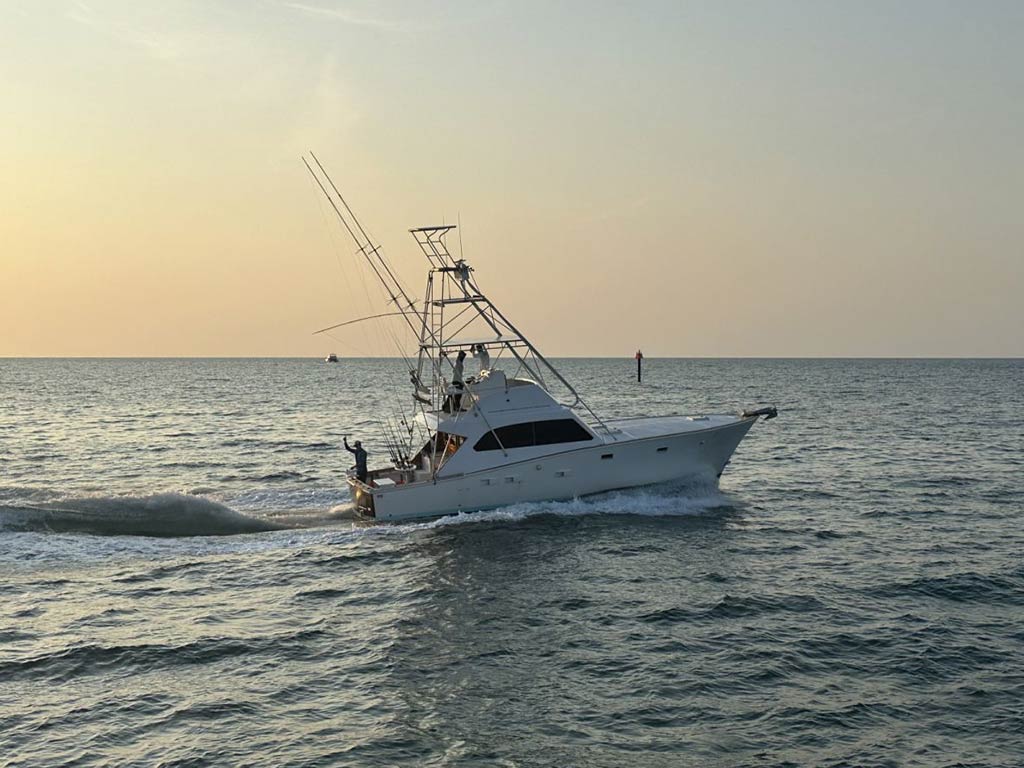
[516, 435]
[559, 431]
[532, 433]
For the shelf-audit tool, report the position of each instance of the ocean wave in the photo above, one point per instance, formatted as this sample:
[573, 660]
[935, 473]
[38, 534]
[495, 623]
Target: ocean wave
[26, 494]
[734, 607]
[97, 658]
[967, 587]
[285, 474]
[161, 515]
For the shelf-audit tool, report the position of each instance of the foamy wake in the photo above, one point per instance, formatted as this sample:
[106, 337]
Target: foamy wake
[164, 514]
[181, 515]
[655, 501]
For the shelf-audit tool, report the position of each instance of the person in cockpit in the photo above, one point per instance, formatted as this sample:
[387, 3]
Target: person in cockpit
[360, 454]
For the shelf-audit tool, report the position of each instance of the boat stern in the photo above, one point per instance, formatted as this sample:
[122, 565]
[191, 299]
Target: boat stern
[362, 496]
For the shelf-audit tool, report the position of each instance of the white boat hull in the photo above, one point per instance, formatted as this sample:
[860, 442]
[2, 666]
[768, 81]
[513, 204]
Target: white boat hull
[624, 463]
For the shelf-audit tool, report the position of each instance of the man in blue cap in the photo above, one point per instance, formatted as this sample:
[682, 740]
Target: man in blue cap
[360, 454]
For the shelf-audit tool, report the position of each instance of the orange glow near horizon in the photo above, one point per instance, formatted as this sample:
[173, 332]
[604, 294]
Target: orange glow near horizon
[734, 180]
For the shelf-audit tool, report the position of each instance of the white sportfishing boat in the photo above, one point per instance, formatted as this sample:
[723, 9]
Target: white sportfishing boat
[502, 436]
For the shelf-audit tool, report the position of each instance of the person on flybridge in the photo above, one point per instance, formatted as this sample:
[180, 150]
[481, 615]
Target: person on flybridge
[454, 400]
[360, 454]
[457, 369]
[480, 353]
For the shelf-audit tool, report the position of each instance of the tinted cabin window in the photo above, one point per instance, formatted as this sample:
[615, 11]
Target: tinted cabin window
[516, 435]
[534, 433]
[559, 431]
[512, 436]
[486, 443]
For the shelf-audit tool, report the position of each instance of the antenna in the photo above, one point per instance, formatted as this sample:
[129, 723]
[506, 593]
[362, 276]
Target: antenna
[458, 220]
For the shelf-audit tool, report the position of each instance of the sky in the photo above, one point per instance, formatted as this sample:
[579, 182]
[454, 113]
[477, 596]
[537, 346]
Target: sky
[696, 179]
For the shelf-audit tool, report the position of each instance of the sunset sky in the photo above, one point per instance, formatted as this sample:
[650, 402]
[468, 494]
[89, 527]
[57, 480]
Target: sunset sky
[697, 179]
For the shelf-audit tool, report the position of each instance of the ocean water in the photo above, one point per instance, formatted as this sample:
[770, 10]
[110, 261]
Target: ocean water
[181, 583]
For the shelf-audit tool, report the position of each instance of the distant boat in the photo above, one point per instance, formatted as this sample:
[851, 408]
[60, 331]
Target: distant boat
[492, 439]
[331, 358]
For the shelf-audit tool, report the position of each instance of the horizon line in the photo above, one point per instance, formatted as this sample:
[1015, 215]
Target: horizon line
[551, 357]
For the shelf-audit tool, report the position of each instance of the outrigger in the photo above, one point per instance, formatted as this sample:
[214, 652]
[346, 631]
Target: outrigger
[496, 438]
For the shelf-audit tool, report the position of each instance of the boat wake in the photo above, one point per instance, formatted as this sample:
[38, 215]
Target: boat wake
[668, 500]
[167, 515]
[178, 515]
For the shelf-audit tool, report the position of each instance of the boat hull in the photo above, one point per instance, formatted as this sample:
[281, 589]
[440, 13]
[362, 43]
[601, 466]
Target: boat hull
[609, 466]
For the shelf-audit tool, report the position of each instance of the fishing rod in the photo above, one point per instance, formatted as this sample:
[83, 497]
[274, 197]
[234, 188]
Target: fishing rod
[357, 320]
[341, 217]
[374, 249]
[373, 256]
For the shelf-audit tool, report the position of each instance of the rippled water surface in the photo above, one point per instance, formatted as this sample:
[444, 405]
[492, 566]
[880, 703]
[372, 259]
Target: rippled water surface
[181, 582]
